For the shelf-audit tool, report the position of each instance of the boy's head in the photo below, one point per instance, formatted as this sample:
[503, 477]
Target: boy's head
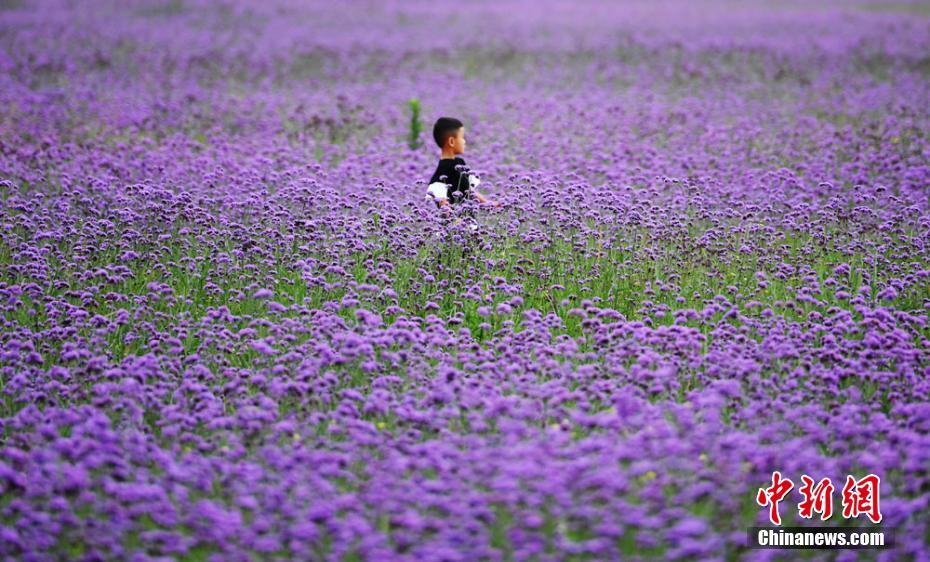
[449, 134]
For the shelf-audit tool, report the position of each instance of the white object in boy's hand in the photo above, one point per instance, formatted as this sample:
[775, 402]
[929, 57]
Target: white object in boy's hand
[437, 190]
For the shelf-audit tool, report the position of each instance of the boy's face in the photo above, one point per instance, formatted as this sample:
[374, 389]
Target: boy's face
[457, 142]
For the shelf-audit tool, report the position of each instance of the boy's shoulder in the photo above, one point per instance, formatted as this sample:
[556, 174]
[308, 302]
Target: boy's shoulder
[449, 164]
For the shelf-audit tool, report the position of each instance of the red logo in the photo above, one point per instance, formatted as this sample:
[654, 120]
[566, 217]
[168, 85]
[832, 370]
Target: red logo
[817, 499]
[859, 497]
[773, 494]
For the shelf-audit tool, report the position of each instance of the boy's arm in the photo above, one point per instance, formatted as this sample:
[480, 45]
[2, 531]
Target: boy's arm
[474, 181]
[485, 201]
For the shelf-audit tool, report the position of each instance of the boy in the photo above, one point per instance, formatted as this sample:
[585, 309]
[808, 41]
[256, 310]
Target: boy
[451, 183]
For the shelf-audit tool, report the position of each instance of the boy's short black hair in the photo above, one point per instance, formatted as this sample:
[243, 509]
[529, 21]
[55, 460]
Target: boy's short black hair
[444, 128]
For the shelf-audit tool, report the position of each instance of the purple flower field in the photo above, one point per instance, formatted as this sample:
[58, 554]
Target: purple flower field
[234, 328]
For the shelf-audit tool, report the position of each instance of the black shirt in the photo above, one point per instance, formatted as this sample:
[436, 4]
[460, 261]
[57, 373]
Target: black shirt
[459, 188]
